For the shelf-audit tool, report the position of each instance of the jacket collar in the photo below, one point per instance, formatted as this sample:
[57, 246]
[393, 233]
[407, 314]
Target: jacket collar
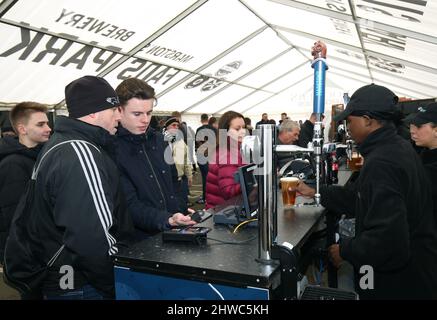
[378, 137]
[429, 156]
[83, 130]
[135, 138]
[11, 145]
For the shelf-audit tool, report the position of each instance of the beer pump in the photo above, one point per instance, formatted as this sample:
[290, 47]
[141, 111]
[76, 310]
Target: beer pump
[319, 65]
[261, 149]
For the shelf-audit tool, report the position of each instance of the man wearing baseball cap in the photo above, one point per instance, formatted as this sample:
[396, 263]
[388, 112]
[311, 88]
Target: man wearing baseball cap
[395, 233]
[423, 129]
[80, 213]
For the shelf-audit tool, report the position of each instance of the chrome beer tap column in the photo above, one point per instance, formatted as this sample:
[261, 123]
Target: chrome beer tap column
[319, 65]
[267, 182]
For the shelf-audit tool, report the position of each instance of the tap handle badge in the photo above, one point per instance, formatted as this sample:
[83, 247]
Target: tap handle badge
[319, 50]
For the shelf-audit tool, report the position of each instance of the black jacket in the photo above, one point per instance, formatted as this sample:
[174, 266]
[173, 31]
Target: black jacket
[429, 159]
[79, 203]
[306, 134]
[146, 179]
[16, 163]
[395, 230]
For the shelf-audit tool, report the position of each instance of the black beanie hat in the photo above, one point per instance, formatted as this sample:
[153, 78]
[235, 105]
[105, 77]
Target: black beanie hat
[89, 94]
[171, 120]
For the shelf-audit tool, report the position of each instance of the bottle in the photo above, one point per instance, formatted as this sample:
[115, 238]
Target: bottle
[334, 169]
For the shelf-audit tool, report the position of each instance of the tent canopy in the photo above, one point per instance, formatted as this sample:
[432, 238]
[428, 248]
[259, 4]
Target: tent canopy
[252, 56]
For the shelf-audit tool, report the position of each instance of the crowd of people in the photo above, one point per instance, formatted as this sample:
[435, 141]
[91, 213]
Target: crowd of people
[111, 176]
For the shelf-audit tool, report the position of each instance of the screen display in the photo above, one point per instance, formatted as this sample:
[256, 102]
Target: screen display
[249, 189]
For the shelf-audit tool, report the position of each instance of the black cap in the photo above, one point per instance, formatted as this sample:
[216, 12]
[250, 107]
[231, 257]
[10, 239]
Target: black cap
[425, 114]
[89, 94]
[171, 120]
[376, 100]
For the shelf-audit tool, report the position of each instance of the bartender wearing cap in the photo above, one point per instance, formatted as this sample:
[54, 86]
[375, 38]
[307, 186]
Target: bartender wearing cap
[395, 232]
[423, 129]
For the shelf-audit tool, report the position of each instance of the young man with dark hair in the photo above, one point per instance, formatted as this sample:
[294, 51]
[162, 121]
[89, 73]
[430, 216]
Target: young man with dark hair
[264, 120]
[283, 117]
[79, 208]
[146, 176]
[17, 157]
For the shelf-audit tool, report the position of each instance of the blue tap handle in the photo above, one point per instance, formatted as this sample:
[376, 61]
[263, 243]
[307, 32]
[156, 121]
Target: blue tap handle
[320, 68]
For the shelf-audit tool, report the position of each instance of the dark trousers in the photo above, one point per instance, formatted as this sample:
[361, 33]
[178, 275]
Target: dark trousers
[185, 188]
[181, 192]
[204, 172]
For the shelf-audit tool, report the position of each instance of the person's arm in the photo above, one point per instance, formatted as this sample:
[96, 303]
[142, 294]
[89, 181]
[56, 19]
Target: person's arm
[144, 216]
[339, 199]
[13, 180]
[227, 184]
[305, 136]
[187, 166]
[383, 241]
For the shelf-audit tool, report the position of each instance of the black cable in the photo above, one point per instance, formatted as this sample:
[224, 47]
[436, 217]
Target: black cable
[233, 242]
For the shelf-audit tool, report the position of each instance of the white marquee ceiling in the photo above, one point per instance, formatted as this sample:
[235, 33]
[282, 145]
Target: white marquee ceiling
[251, 56]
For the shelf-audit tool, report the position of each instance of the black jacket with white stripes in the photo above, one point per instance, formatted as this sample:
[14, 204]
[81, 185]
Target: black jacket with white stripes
[80, 204]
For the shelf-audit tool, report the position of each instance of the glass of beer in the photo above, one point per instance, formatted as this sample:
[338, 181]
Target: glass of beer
[288, 186]
[355, 162]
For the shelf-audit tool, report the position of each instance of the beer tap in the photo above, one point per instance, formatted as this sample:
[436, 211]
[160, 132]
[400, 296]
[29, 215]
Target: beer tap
[319, 65]
[349, 141]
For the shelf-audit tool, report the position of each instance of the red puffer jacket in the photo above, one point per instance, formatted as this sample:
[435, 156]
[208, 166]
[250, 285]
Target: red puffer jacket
[220, 182]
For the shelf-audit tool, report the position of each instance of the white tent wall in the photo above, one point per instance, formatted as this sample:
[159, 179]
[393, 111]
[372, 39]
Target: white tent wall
[251, 56]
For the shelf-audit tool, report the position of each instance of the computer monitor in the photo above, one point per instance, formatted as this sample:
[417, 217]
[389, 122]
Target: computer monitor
[249, 190]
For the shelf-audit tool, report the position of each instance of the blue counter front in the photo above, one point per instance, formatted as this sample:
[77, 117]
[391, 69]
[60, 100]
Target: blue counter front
[131, 285]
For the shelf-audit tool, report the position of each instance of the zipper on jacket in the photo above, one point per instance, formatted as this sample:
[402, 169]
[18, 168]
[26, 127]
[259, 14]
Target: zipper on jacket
[154, 175]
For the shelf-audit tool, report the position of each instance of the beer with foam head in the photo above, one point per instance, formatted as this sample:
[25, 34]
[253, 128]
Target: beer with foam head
[288, 186]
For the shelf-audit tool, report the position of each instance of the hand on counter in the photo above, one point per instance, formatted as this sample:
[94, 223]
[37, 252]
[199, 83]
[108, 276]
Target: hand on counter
[179, 219]
[303, 189]
[334, 255]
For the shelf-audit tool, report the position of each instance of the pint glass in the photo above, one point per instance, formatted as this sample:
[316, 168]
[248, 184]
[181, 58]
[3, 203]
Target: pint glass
[288, 186]
[356, 162]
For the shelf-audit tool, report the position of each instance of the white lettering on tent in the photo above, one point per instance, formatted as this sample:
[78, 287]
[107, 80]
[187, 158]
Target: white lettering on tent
[381, 63]
[91, 24]
[411, 13]
[168, 53]
[148, 71]
[336, 5]
[58, 50]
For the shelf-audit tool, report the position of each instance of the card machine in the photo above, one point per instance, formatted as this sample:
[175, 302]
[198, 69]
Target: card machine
[187, 234]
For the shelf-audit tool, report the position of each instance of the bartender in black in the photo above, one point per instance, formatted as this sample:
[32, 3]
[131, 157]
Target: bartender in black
[395, 235]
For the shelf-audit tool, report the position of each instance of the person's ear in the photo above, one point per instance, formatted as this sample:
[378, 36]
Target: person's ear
[21, 128]
[367, 121]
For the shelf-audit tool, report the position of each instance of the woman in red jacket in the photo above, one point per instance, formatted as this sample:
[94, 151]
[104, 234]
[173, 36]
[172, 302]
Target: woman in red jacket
[220, 183]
